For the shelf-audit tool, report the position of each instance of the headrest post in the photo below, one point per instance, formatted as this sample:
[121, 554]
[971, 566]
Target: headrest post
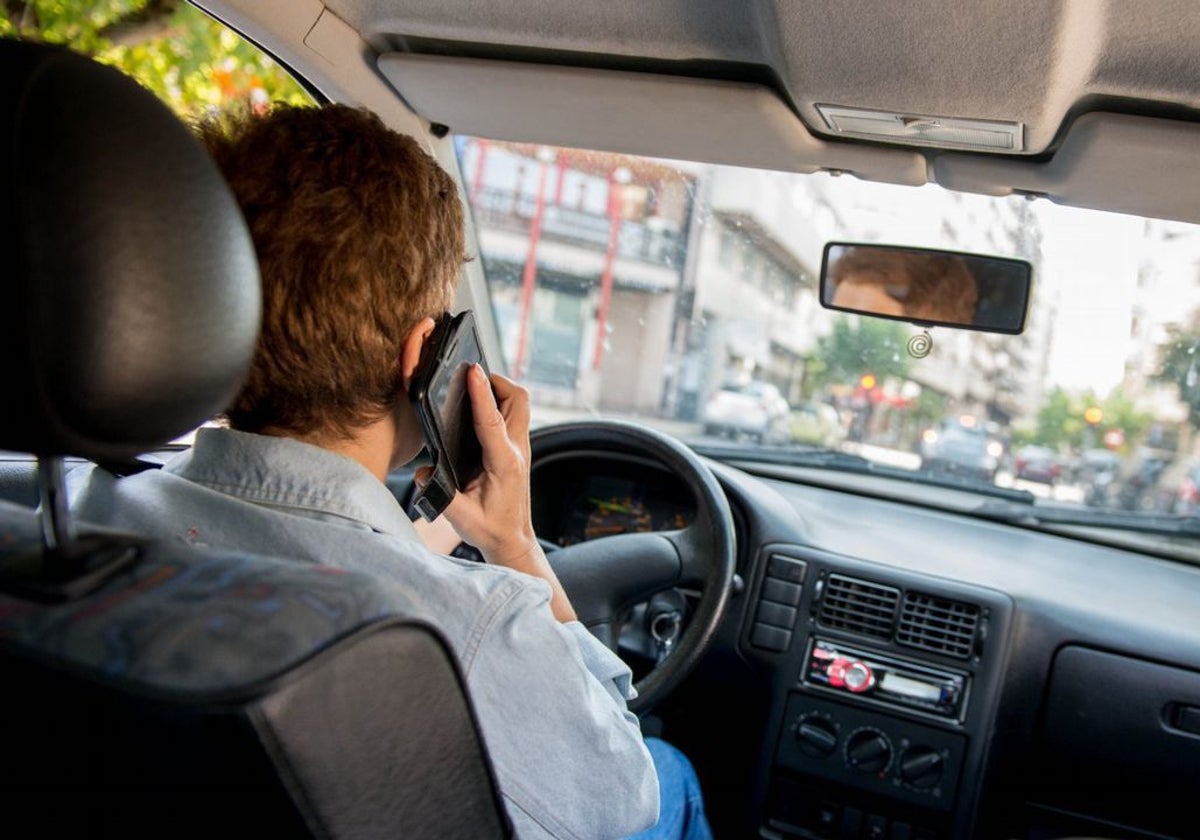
[57, 532]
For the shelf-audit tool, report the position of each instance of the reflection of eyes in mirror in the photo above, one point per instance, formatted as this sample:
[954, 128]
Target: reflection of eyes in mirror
[926, 286]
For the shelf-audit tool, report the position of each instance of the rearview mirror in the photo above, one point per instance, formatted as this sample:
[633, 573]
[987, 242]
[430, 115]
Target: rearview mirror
[926, 286]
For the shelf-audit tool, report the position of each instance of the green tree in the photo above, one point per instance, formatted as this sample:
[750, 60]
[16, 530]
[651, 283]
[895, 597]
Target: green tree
[1062, 423]
[1120, 413]
[858, 346]
[191, 61]
[1060, 420]
[928, 408]
[1179, 365]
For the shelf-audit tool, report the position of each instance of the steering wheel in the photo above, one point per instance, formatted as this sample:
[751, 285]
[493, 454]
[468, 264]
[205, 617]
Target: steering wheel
[607, 575]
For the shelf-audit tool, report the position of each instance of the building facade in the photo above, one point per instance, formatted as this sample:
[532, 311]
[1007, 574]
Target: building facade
[584, 252]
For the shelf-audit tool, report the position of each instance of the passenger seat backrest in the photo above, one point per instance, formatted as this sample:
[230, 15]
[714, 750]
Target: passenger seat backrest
[209, 694]
[156, 689]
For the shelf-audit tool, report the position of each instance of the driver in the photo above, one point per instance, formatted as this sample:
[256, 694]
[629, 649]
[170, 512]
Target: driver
[909, 284]
[360, 240]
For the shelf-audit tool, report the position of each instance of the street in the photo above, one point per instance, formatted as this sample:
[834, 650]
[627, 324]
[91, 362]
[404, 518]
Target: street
[692, 433]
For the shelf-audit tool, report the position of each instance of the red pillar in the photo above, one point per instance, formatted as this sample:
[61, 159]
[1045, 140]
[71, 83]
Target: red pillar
[480, 162]
[529, 278]
[562, 176]
[610, 258]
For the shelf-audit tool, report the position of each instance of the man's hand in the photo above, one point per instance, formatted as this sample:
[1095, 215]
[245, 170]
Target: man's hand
[493, 513]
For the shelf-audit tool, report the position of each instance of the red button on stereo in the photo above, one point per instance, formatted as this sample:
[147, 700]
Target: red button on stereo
[837, 672]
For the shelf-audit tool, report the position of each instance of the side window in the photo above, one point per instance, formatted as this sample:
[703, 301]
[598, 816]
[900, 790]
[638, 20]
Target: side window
[195, 64]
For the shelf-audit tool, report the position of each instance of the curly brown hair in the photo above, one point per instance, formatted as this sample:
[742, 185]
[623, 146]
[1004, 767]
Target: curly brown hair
[931, 287]
[359, 235]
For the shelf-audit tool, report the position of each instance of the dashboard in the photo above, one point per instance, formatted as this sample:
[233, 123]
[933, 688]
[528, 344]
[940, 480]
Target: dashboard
[888, 668]
[893, 670]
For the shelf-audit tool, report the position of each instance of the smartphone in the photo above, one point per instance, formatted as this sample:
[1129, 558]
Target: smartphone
[439, 391]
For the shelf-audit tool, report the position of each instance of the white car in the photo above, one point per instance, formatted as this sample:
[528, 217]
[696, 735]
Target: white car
[816, 423]
[753, 409]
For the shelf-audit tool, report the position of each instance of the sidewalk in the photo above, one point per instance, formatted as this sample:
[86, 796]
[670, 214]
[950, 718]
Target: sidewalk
[883, 455]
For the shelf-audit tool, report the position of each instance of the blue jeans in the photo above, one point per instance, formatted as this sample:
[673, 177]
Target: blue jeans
[680, 805]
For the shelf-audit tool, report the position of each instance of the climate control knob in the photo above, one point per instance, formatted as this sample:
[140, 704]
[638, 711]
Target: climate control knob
[816, 735]
[921, 766]
[868, 750]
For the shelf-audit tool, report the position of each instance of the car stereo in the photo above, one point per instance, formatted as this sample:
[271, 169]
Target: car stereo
[886, 680]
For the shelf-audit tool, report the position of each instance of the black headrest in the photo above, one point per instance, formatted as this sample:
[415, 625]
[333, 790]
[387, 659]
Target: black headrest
[131, 298]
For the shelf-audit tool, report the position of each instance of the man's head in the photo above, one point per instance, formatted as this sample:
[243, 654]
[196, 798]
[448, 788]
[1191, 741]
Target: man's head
[359, 235]
[909, 284]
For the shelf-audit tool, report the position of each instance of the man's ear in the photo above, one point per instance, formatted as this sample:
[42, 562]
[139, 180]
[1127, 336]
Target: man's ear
[410, 350]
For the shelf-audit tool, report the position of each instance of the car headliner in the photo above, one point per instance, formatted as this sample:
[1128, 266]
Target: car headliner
[1107, 97]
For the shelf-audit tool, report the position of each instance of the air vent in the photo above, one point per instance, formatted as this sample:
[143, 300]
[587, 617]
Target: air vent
[938, 624]
[859, 606]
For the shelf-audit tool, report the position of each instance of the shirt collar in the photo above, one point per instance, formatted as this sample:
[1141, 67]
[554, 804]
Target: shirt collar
[283, 472]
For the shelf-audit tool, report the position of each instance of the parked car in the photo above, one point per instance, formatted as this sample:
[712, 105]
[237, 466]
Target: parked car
[960, 448]
[1093, 463]
[817, 423]
[752, 409]
[1187, 492]
[1141, 487]
[1179, 487]
[1097, 472]
[1037, 463]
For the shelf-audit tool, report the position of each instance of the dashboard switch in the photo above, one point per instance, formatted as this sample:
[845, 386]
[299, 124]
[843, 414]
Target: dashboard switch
[770, 638]
[852, 821]
[828, 814]
[785, 568]
[876, 827]
[782, 592]
[778, 615]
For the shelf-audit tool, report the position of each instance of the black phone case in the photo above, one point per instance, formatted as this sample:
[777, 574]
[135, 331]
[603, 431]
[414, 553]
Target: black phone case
[437, 494]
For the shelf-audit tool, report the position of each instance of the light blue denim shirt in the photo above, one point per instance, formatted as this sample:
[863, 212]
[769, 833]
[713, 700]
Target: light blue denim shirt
[551, 700]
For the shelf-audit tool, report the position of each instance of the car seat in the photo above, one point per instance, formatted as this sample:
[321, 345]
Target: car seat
[154, 688]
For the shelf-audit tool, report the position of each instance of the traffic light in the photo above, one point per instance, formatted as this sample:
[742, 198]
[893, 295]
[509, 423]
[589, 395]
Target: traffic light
[1093, 415]
[867, 381]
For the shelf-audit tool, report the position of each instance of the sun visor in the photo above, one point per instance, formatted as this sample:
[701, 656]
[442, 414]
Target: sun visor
[732, 123]
[1124, 164]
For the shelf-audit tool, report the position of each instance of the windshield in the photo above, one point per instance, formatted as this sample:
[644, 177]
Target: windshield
[686, 296]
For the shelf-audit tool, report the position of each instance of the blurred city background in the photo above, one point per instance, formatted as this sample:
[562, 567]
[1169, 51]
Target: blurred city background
[686, 296]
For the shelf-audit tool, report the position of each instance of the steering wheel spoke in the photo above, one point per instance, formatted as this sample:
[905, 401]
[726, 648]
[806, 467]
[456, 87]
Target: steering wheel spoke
[605, 575]
[694, 561]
